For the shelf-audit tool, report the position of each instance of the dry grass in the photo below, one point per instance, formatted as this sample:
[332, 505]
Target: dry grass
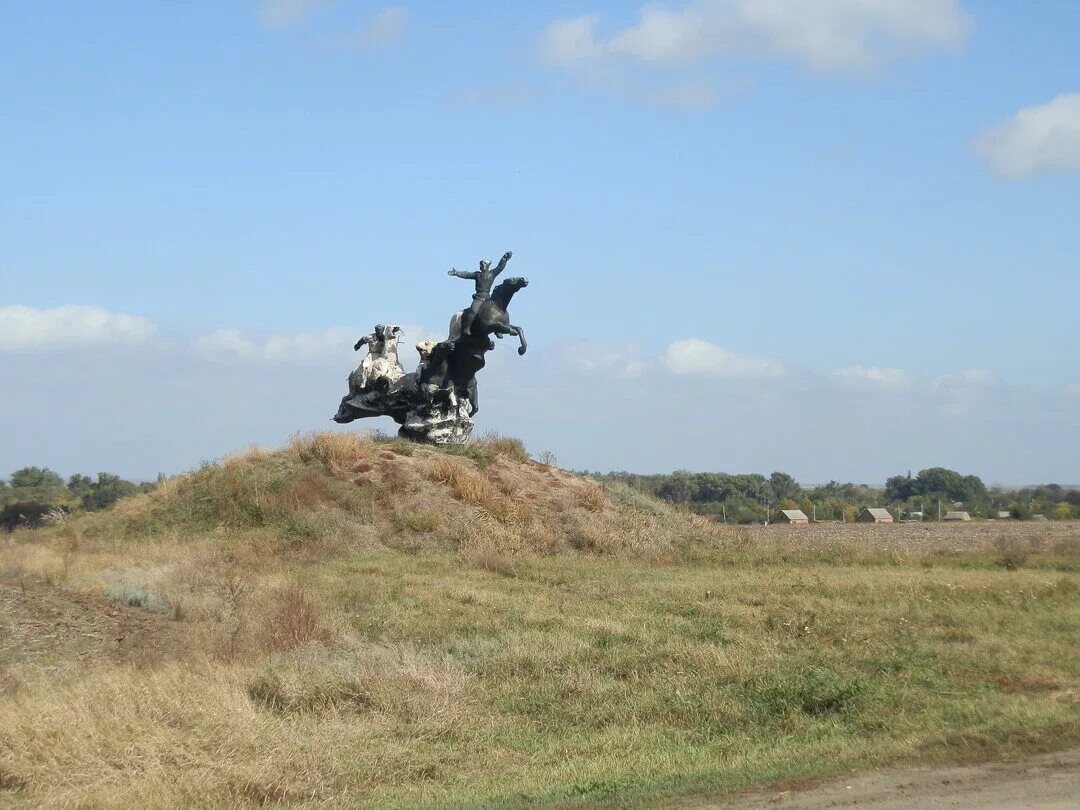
[447, 631]
[338, 451]
[488, 677]
[470, 487]
[1011, 552]
[292, 619]
[420, 521]
[592, 497]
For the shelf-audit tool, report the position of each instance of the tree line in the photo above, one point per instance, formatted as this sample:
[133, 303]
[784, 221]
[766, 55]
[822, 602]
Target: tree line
[754, 498]
[35, 495]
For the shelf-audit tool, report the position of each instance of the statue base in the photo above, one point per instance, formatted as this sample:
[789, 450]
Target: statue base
[439, 424]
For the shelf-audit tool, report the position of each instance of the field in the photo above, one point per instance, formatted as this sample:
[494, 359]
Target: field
[351, 621]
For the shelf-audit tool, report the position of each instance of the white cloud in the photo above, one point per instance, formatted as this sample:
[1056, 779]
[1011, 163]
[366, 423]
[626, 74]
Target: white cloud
[73, 325]
[971, 378]
[891, 379]
[234, 344]
[384, 29]
[566, 42]
[684, 96]
[287, 13]
[824, 35]
[696, 356]
[626, 360]
[1043, 138]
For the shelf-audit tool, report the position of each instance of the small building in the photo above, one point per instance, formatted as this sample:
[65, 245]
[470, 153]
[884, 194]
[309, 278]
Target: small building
[1004, 514]
[957, 515]
[795, 517]
[871, 514]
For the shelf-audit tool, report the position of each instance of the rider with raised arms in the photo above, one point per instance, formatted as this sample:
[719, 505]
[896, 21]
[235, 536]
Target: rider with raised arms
[484, 278]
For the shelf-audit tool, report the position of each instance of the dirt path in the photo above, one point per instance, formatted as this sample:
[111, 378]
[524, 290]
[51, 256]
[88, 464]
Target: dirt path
[1046, 781]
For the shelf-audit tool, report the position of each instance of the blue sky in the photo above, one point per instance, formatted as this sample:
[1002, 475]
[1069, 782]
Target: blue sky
[836, 239]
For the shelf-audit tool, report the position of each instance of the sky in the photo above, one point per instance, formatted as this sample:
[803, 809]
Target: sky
[837, 239]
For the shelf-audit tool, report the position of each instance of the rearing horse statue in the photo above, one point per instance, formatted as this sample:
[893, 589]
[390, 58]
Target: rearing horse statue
[493, 319]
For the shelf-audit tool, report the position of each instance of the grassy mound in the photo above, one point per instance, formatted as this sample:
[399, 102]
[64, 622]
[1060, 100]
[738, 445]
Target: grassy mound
[332, 493]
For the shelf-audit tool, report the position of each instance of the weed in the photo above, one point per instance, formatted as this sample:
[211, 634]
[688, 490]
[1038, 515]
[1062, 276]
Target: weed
[292, 619]
[1011, 553]
[422, 521]
[136, 596]
[812, 690]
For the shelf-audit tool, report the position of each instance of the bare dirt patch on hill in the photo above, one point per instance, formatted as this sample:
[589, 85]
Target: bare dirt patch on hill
[46, 631]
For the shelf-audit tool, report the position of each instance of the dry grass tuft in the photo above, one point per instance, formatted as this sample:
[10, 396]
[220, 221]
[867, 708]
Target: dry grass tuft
[489, 559]
[496, 445]
[421, 521]
[592, 497]
[467, 486]
[244, 458]
[338, 451]
[292, 619]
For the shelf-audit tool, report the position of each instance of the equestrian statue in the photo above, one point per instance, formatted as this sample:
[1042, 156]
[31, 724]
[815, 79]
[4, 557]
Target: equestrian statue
[435, 404]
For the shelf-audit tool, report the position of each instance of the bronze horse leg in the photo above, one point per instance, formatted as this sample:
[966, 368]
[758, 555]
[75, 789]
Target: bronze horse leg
[501, 329]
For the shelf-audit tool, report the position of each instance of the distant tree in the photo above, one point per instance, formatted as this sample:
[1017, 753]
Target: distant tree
[40, 479]
[899, 488]
[949, 485]
[107, 490]
[784, 487]
[1020, 511]
[680, 487]
[80, 485]
[973, 489]
[1062, 511]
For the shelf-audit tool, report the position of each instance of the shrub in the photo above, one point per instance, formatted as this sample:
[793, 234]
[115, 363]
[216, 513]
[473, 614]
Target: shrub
[293, 619]
[1011, 553]
[136, 596]
[24, 513]
[547, 458]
